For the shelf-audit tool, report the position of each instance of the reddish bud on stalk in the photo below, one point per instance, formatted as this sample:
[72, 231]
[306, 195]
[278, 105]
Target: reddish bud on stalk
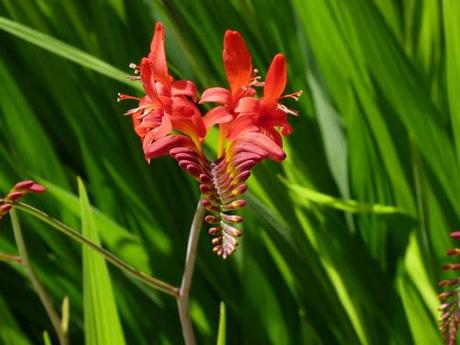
[16, 193]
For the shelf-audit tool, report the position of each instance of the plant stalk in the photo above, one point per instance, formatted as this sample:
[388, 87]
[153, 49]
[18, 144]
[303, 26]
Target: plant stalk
[184, 292]
[146, 278]
[41, 292]
[10, 258]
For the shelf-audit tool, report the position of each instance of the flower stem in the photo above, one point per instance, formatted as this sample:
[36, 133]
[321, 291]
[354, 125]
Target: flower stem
[10, 258]
[41, 292]
[146, 278]
[184, 292]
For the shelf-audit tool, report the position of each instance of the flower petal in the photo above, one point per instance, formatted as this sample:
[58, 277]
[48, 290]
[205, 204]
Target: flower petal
[275, 82]
[140, 131]
[237, 60]
[247, 105]
[216, 95]
[161, 131]
[193, 126]
[276, 118]
[242, 124]
[146, 77]
[217, 115]
[162, 146]
[184, 88]
[264, 143]
[157, 55]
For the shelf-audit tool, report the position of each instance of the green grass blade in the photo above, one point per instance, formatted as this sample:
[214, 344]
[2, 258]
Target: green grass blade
[46, 338]
[221, 334]
[63, 50]
[452, 34]
[118, 239]
[102, 323]
[307, 195]
[10, 333]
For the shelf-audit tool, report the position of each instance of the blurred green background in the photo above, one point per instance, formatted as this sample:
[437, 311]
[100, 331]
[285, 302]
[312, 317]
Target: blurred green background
[343, 242]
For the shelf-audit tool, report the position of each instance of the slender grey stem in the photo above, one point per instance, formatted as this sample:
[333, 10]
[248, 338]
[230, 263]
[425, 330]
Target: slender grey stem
[146, 278]
[41, 292]
[184, 292]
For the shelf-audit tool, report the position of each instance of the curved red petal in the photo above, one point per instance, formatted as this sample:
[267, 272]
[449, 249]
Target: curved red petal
[184, 88]
[158, 132]
[217, 115]
[275, 82]
[265, 144]
[137, 128]
[146, 77]
[157, 55]
[276, 118]
[237, 60]
[242, 124]
[193, 126]
[216, 95]
[247, 105]
[162, 146]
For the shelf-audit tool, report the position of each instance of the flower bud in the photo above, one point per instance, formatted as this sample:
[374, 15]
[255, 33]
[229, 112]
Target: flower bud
[232, 218]
[23, 185]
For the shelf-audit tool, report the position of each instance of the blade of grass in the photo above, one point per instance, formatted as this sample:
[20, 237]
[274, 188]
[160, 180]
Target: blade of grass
[64, 50]
[222, 330]
[102, 322]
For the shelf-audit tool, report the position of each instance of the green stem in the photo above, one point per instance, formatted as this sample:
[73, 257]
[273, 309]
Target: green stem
[184, 293]
[149, 280]
[41, 292]
[9, 258]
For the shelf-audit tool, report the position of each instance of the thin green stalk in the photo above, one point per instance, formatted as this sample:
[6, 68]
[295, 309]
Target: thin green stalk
[9, 258]
[184, 293]
[41, 292]
[149, 280]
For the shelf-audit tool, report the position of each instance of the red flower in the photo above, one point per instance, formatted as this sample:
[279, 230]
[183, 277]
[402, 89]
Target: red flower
[166, 105]
[266, 114]
[169, 122]
[241, 79]
[17, 192]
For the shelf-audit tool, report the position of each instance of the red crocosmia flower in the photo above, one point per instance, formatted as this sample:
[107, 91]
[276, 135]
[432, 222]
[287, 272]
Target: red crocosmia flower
[17, 192]
[241, 78]
[266, 114]
[250, 128]
[166, 106]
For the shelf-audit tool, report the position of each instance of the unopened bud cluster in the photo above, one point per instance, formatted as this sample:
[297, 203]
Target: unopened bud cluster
[18, 191]
[450, 299]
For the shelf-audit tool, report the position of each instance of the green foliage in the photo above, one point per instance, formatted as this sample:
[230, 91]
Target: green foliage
[102, 323]
[378, 136]
[222, 330]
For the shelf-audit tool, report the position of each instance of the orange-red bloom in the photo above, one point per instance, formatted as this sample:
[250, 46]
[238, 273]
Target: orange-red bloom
[166, 106]
[250, 128]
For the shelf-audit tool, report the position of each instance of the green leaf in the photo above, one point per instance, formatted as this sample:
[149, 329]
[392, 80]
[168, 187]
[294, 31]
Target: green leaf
[46, 338]
[64, 50]
[221, 334]
[10, 333]
[102, 323]
[117, 238]
[306, 196]
[452, 32]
